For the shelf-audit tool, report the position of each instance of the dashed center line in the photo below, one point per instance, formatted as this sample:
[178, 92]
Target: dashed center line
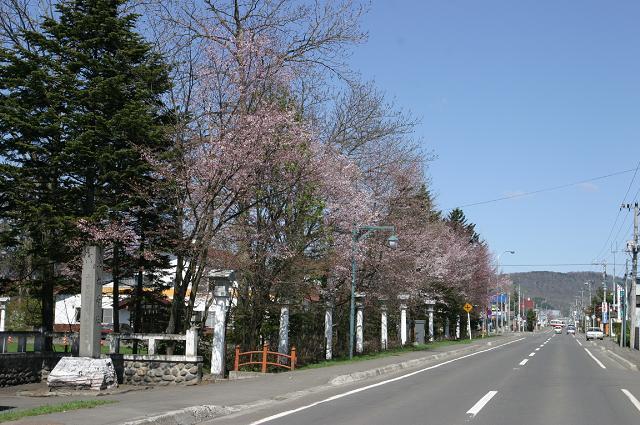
[538, 349]
[524, 362]
[630, 396]
[481, 403]
[532, 354]
[594, 358]
[579, 343]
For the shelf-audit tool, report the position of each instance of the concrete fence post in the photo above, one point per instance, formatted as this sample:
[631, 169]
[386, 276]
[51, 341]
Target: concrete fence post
[152, 346]
[283, 331]
[328, 330]
[360, 322]
[403, 317]
[191, 342]
[383, 327]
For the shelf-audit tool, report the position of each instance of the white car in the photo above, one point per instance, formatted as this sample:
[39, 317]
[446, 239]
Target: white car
[557, 329]
[594, 333]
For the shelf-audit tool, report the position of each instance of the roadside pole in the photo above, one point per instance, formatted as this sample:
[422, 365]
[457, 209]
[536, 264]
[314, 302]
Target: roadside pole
[469, 325]
[633, 247]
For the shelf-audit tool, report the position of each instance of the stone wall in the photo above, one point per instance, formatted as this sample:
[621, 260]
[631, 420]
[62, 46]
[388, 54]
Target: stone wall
[159, 370]
[25, 368]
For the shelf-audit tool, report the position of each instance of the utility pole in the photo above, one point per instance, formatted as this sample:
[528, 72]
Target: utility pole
[623, 328]
[633, 247]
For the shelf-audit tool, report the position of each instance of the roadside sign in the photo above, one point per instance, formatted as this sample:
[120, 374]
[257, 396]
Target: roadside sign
[468, 307]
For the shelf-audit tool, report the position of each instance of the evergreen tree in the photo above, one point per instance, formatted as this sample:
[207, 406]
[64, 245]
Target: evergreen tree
[76, 108]
[458, 221]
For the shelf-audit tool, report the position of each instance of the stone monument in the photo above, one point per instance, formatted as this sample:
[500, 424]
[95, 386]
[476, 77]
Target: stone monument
[89, 371]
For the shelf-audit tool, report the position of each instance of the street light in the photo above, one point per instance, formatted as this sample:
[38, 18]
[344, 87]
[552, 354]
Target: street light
[497, 288]
[357, 235]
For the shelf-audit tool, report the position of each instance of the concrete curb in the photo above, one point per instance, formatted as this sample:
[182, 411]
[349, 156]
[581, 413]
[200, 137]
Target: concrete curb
[197, 414]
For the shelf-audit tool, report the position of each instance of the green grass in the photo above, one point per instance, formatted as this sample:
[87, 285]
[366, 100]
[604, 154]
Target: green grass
[388, 353]
[53, 408]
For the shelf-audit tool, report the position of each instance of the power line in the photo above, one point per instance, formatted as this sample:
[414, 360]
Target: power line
[548, 189]
[619, 211]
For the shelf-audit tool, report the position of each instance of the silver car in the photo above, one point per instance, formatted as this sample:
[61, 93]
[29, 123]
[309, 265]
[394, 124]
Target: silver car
[594, 333]
[571, 330]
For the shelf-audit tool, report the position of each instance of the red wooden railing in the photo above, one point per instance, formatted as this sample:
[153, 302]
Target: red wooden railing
[264, 360]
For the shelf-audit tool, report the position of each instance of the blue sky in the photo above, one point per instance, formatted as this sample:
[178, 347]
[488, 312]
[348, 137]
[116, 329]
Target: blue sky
[516, 96]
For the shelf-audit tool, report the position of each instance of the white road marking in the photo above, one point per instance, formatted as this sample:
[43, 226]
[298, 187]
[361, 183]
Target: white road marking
[532, 354]
[579, 343]
[377, 384]
[538, 349]
[481, 403]
[631, 397]
[594, 358]
[524, 362]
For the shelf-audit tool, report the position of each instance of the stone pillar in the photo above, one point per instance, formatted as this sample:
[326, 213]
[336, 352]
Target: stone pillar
[458, 327]
[430, 305]
[418, 328]
[403, 317]
[431, 326]
[447, 323]
[328, 330]
[221, 295]
[359, 323]
[383, 327]
[283, 331]
[91, 301]
[3, 311]
[191, 342]
[151, 348]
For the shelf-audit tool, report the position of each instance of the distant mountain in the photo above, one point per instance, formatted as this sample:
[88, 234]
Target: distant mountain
[558, 290]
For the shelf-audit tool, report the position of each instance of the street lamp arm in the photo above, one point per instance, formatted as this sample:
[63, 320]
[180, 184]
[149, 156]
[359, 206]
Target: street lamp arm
[362, 232]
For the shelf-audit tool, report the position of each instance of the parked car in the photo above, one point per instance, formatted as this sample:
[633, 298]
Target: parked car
[571, 330]
[594, 333]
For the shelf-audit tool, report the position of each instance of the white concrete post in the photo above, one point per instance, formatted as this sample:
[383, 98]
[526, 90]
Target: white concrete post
[328, 330]
[383, 327]
[430, 305]
[191, 342]
[359, 323]
[431, 326]
[458, 327]
[152, 346]
[283, 331]
[91, 302]
[447, 323]
[403, 318]
[3, 311]
[221, 296]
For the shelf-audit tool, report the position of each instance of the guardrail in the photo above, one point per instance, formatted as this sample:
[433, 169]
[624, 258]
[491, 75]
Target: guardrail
[264, 360]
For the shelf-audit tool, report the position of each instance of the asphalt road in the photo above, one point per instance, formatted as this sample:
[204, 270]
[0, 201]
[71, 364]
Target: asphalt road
[542, 379]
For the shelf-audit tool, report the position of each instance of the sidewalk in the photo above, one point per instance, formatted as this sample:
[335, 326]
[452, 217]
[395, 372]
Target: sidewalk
[629, 358]
[213, 397]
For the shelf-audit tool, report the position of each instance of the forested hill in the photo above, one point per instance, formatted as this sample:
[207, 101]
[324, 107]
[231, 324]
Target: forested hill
[558, 289]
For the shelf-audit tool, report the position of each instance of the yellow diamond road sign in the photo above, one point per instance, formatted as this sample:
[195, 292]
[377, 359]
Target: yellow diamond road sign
[468, 307]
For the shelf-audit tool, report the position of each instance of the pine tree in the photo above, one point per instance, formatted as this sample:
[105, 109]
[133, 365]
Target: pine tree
[458, 221]
[76, 108]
